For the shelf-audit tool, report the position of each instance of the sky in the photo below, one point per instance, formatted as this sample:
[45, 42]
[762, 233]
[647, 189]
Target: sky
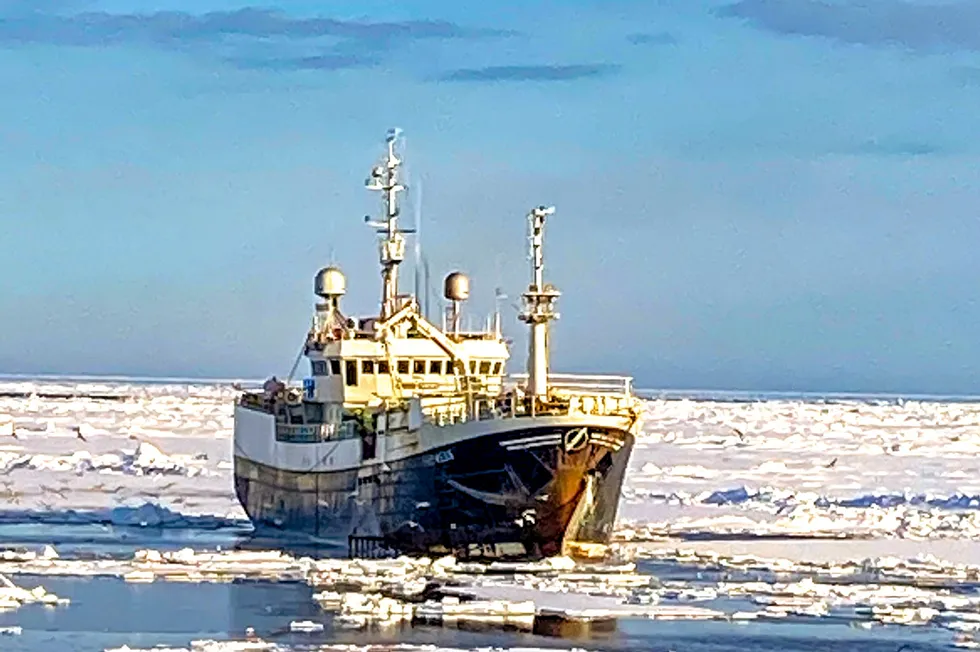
[750, 194]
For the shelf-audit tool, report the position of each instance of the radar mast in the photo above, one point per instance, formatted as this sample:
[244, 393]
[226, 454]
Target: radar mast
[384, 178]
[539, 305]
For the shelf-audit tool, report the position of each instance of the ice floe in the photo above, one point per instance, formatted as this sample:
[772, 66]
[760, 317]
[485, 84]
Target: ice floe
[884, 469]
[209, 646]
[147, 514]
[920, 591]
[878, 471]
[145, 459]
[185, 565]
[91, 446]
[924, 591]
[839, 467]
[264, 646]
[12, 596]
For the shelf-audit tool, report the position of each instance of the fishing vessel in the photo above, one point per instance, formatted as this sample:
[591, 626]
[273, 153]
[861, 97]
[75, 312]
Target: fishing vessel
[413, 434]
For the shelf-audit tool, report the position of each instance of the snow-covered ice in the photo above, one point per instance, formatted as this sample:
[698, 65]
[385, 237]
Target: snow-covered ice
[13, 596]
[91, 447]
[884, 469]
[244, 646]
[710, 484]
[881, 469]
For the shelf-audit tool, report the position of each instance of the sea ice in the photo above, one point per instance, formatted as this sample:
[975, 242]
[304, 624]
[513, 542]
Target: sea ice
[875, 475]
[842, 467]
[12, 596]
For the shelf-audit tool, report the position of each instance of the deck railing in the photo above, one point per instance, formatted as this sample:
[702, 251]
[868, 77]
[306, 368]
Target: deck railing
[583, 384]
[570, 394]
[573, 394]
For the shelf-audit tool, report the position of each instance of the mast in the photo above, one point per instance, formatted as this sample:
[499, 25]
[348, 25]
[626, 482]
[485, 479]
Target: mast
[539, 306]
[498, 299]
[384, 178]
[420, 269]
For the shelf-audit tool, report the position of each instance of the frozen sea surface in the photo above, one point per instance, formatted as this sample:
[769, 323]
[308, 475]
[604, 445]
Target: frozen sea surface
[110, 466]
[96, 452]
[108, 612]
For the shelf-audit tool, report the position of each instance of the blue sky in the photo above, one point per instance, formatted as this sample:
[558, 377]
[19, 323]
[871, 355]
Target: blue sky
[751, 194]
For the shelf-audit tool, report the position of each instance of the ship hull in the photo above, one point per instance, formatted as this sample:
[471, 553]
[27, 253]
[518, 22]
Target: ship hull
[527, 492]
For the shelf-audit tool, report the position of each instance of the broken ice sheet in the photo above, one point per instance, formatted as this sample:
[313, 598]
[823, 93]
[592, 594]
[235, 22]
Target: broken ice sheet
[892, 471]
[13, 596]
[835, 468]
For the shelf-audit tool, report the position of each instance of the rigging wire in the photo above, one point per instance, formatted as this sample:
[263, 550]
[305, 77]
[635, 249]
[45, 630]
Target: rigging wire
[299, 357]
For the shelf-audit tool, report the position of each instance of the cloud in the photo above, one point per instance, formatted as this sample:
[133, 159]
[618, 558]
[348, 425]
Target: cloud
[898, 147]
[338, 43]
[315, 62]
[651, 38]
[28, 7]
[165, 27]
[531, 73]
[916, 26]
[967, 76]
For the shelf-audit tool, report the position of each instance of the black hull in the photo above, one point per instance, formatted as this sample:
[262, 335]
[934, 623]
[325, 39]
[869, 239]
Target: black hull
[495, 495]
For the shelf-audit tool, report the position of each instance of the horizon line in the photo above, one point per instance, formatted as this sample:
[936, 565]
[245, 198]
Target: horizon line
[644, 393]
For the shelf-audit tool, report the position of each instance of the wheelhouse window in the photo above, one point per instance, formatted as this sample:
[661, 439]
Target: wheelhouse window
[435, 367]
[383, 367]
[472, 367]
[319, 367]
[402, 366]
[496, 367]
[351, 371]
[335, 366]
[367, 366]
[485, 367]
[449, 367]
[418, 367]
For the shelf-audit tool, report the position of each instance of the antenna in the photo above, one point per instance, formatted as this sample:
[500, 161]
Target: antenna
[417, 202]
[384, 178]
[498, 296]
[498, 299]
[428, 287]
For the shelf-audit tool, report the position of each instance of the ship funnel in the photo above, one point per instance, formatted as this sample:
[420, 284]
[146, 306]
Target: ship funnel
[456, 290]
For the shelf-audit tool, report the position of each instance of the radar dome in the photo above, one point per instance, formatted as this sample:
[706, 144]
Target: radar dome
[457, 287]
[329, 282]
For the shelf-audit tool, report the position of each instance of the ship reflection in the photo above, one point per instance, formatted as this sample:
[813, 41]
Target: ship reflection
[296, 544]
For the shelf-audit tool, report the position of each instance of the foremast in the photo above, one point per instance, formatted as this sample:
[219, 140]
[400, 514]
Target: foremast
[539, 306]
[385, 179]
